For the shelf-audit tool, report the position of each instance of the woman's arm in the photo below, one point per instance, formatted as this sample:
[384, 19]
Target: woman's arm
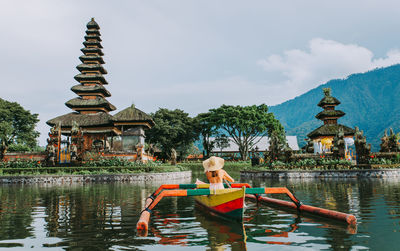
[227, 177]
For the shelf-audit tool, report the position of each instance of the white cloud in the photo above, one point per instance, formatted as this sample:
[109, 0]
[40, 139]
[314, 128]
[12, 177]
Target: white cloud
[188, 55]
[293, 73]
[325, 60]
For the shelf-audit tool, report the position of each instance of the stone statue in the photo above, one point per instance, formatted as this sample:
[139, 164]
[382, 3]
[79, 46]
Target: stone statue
[363, 149]
[255, 160]
[54, 130]
[51, 153]
[73, 149]
[150, 150]
[173, 156]
[384, 143]
[76, 142]
[339, 145]
[309, 146]
[327, 91]
[74, 128]
[139, 152]
[393, 141]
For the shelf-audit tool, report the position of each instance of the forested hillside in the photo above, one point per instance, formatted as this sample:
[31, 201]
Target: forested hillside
[370, 100]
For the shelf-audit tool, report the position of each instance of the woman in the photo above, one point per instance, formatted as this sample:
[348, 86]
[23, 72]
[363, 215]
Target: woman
[215, 175]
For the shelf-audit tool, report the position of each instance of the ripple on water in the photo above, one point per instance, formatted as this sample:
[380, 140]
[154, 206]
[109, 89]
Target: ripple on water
[104, 216]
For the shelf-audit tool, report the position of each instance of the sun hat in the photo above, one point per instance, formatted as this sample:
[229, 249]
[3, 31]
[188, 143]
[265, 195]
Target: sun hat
[213, 164]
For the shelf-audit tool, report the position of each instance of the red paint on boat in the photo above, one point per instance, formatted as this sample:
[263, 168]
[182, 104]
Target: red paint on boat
[229, 206]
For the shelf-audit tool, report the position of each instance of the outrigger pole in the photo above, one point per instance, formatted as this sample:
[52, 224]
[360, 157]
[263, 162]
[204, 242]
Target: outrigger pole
[174, 190]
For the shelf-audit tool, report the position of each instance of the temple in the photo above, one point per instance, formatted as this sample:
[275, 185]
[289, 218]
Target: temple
[90, 114]
[323, 136]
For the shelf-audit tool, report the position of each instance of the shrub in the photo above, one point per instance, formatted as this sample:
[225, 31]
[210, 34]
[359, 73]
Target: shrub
[119, 162]
[382, 161]
[396, 158]
[278, 163]
[21, 164]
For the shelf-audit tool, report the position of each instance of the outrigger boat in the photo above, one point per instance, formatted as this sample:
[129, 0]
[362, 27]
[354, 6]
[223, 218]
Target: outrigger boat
[229, 202]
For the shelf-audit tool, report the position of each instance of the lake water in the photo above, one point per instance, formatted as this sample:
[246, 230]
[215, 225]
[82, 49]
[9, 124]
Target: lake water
[104, 217]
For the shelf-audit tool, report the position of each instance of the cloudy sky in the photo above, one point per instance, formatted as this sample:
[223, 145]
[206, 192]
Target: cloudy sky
[191, 55]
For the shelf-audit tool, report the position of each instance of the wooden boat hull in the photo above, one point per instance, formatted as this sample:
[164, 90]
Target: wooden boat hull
[227, 203]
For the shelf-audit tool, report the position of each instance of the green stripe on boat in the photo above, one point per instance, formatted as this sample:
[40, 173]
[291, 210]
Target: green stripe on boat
[187, 186]
[196, 192]
[256, 190]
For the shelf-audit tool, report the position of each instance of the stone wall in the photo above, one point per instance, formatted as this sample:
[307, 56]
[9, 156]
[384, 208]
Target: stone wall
[168, 177]
[372, 173]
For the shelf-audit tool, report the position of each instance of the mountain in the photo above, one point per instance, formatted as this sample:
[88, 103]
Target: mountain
[371, 101]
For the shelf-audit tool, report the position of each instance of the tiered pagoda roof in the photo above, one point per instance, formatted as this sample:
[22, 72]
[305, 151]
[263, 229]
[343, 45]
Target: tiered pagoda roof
[91, 90]
[328, 100]
[329, 116]
[330, 130]
[91, 108]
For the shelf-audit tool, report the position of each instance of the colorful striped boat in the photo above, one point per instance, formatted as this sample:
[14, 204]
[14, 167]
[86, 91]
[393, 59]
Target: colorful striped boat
[227, 203]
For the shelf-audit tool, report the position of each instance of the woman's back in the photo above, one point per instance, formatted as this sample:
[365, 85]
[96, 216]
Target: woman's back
[218, 176]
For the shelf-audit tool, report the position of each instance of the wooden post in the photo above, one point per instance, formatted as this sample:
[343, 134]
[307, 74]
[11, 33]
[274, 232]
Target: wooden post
[59, 142]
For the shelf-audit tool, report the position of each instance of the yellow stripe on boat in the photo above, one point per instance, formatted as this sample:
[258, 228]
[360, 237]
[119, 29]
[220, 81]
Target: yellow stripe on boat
[203, 185]
[221, 196]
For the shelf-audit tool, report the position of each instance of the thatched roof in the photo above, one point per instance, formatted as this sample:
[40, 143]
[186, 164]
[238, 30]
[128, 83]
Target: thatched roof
[87, 77]
[85, 58]
[88, 103]
[93, 36]
[92, 24]
[91, 67]
[93, 32]
[90, 89]
[132, 114]
[92, 50]
[330, 113]
[83, 120]
[330, 130]
[328, 99]
[95, 43]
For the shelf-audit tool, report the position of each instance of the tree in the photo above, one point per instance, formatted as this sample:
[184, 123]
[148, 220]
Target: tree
[245, 123]
[17, 126]
[278, 148]
[207, 131]
[222, 141]
[210, 135]
[173, 129]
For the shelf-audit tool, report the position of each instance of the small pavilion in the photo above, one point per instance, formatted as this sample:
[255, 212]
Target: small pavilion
[322, 137]
[132, 123]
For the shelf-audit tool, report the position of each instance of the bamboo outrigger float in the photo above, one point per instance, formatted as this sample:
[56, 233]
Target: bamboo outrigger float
[229, 202]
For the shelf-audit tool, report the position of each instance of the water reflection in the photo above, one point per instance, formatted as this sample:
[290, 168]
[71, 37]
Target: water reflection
[104, 216]
[221, 234]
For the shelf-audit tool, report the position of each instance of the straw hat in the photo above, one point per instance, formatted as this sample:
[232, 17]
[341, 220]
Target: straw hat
[213, 164]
